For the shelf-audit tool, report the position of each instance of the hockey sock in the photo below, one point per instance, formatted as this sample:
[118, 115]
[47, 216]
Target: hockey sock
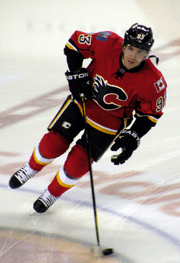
[52, 145]
[74, 168]
[61, 183]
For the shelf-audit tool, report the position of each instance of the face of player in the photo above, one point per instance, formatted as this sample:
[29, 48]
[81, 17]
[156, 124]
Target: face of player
[132, 56]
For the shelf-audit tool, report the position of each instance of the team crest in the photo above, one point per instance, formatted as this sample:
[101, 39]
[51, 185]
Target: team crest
[109, 97]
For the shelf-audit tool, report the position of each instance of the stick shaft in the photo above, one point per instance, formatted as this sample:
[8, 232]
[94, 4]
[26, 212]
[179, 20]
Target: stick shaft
[90, 170]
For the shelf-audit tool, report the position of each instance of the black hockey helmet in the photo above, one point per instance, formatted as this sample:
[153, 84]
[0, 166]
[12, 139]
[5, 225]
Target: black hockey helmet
[139, 36]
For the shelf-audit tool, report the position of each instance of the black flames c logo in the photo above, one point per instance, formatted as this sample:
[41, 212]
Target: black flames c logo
[109, 97]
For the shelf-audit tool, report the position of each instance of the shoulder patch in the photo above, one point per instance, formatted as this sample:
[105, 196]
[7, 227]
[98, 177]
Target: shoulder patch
[159, 85]
[103, 36]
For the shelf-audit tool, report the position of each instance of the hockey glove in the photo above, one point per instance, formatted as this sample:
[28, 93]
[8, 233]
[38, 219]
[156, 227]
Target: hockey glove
[79, 82]
[128, 141]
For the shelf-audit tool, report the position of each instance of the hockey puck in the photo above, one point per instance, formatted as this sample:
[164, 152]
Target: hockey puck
[107, 251]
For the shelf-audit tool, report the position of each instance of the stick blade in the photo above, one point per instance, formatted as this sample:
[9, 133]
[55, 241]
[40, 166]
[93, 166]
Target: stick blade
[96, 251]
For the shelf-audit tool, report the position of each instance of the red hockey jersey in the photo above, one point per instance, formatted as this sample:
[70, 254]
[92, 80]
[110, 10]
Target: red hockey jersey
[116, 98]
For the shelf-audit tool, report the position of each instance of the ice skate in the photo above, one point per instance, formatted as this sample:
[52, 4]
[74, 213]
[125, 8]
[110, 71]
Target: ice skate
[45, 200]
[21, 176]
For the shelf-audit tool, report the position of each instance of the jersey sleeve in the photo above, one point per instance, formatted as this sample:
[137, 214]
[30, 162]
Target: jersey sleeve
[83, 45]
[152, 104]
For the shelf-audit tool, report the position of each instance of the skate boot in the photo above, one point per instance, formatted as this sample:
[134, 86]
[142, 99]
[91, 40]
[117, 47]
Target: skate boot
[45, 200]
[21, 176]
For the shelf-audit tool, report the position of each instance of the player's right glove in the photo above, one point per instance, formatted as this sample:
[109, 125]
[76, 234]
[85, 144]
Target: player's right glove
[128, 141]
[79, 82]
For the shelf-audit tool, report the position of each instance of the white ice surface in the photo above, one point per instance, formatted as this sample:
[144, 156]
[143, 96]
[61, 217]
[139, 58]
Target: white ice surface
[138, 202]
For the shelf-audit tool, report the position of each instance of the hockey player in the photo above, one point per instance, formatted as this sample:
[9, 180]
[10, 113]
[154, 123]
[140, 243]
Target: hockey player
[120, 85]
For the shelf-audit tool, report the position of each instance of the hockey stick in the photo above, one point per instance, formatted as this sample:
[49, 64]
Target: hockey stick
[95, 250]
[90, 169]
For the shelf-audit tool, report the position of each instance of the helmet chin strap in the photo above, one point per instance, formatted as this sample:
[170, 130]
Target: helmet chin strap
[157, 59]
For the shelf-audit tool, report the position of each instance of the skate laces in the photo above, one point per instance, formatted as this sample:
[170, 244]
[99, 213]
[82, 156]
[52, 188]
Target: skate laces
[25, 173]
[47, 199]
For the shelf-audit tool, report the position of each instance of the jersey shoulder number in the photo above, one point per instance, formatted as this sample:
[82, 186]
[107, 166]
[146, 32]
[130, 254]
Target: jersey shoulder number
[85, 39]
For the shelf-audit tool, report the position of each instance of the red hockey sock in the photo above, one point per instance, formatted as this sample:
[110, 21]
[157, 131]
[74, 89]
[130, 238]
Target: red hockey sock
[52, 145]
[56, 187]
[74, 168]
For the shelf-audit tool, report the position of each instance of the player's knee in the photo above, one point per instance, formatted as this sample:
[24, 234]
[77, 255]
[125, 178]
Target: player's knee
[53, 145]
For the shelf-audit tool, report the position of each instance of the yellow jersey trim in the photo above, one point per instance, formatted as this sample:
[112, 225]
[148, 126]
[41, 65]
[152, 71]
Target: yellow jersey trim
[151, 118]
[96, 125]
[70, 46]
[59, 114]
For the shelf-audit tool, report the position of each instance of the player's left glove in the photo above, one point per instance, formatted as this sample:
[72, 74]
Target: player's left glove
[128, 141]
[79, 82]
